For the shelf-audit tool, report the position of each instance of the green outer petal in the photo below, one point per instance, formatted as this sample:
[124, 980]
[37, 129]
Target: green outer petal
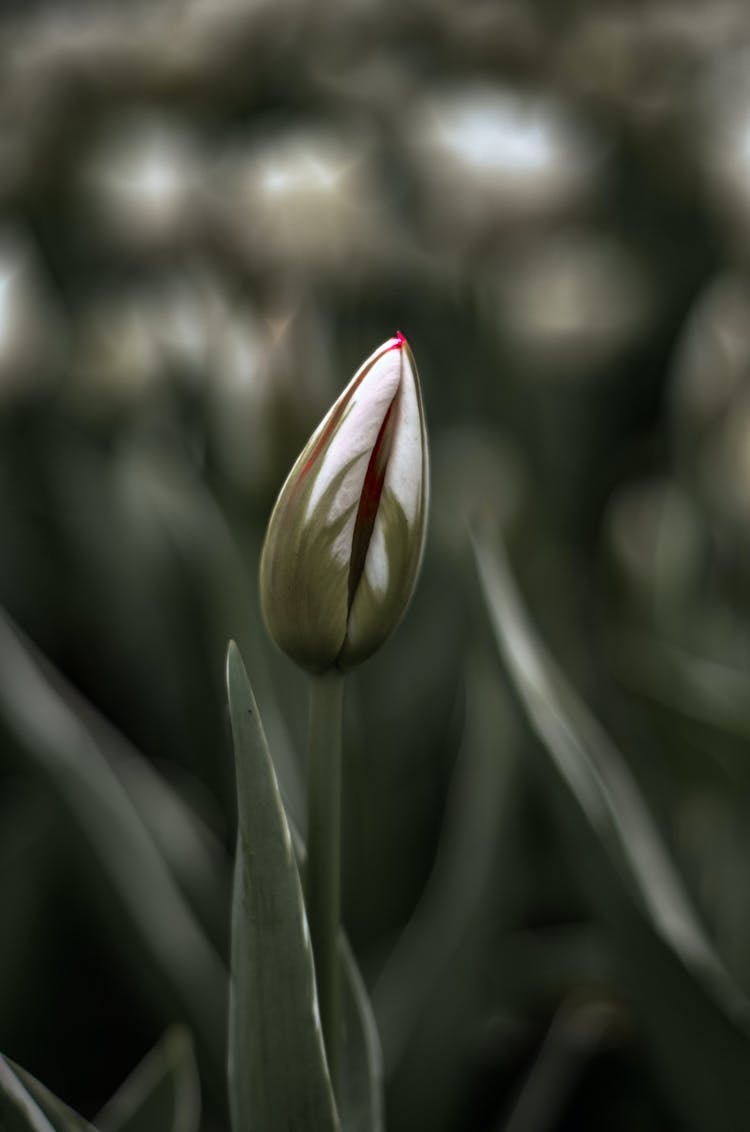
[304, 590]
[374, 616]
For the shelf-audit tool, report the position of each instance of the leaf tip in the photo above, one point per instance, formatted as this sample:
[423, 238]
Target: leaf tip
[233, 661]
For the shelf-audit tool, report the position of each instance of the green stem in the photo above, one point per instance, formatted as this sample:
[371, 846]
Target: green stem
[323, 872]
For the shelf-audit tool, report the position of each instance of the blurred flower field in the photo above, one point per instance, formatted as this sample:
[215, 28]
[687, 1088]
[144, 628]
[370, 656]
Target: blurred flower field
[209, 214]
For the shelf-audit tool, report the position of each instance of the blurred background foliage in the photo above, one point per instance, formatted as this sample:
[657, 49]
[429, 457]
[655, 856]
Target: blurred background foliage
[210, 212]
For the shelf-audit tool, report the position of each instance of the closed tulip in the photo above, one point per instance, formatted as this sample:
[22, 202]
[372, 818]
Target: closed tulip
[345, 539]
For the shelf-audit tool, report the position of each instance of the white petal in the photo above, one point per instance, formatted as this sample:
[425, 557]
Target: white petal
[404, 472]
[376, 562]
[356, 435]
[347, 497]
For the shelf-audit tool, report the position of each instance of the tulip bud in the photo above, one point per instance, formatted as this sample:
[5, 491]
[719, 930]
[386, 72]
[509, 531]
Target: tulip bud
[344, 543]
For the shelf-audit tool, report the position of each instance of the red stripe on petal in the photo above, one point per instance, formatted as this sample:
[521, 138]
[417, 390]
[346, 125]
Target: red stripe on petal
[336, 414]
[322, 440]
[369, 500]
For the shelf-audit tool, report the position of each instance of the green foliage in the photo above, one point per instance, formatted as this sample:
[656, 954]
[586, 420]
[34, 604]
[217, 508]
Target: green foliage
[361, 1088]
[27, 1106]
[678, 982]
[163, 1091]
[278, 1071]
[63, 750]
[278, 1076]
[207, 221]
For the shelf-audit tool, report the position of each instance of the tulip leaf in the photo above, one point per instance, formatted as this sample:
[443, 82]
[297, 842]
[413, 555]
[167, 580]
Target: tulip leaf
[362, 1102]
[191, 849]
[67, 754]
[278, 1075]
[677, 982]
[28, 1106]
[163, 1091]
[362, 1061]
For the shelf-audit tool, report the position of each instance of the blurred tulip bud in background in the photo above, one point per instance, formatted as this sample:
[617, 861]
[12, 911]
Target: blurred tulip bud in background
[129, 341]
[487, 157]
[570, 304]
[141, 185]
[344, 543]
[32, 331]
[269, 378]
[654, 542]
[724, 152]
[710, 398]
[302, 199]
[479, 478]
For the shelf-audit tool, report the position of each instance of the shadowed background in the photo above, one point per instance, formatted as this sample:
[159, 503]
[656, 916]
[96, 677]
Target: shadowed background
[210, 213]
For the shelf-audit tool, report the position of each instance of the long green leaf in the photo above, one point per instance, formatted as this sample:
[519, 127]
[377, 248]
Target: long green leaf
[192, 851]
[64, 751]
[676, 979]
[361, 1101]
[278, 1077]
[162, 1092]
[28, 1106]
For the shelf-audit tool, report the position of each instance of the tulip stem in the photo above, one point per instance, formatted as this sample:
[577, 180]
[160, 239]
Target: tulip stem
[323, 871]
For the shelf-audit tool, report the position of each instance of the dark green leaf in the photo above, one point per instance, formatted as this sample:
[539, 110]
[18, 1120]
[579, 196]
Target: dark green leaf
[361, 1102]
[65, 753]
[28, 1106]
[162, 1093]
[362, 1062]
[278, 1077]
[676, 979]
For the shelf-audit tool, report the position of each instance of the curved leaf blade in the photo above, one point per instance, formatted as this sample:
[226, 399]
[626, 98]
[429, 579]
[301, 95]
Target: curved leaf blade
[278, 1076]
[28, 1106]
[362, 1071]
[677, 981]
[163, 1091]
[66, 754]
[362, 1104]
[598, 778]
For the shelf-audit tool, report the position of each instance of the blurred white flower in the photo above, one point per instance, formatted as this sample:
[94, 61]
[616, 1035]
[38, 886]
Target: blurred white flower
[306, 198]
[723, 137]
[141, 182]
[485, 156]
[571, 301]
[211, 29]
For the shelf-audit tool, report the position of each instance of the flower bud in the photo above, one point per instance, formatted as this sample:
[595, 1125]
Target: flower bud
[344, 543]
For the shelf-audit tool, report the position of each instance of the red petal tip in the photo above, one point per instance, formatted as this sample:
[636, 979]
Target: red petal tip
[397, 341]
